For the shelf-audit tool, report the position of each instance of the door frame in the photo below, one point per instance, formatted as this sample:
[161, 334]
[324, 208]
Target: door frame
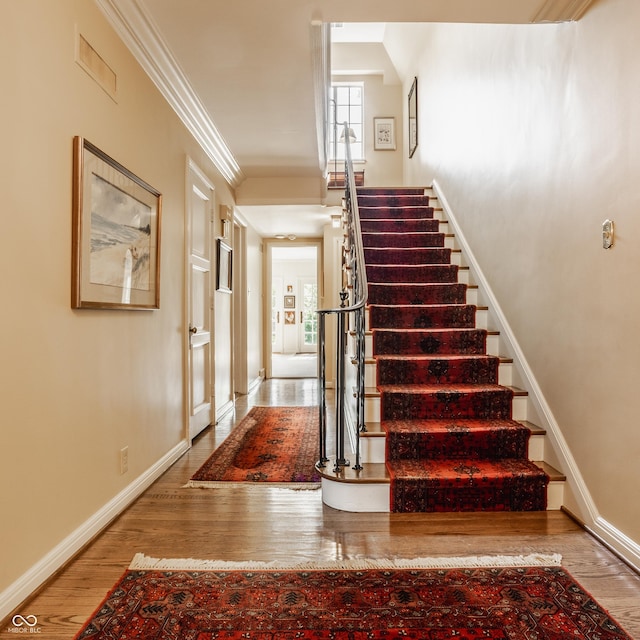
[269, 243]
[240, 303]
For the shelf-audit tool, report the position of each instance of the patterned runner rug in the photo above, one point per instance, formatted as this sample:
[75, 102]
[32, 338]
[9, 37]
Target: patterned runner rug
[464, 598]
[451, 443]
[271, 444]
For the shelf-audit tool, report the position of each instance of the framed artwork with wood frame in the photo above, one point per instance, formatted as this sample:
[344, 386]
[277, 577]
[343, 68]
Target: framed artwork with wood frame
[223, 271]
[413, 117]
[115, 234]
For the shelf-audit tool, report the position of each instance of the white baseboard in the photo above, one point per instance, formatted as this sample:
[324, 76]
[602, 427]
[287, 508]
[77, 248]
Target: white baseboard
[618, 542]
[224, 409]
[253, 385]
[24, 586]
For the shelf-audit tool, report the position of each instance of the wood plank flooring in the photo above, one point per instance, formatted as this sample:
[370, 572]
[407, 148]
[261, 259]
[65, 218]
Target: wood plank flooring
[261, 523]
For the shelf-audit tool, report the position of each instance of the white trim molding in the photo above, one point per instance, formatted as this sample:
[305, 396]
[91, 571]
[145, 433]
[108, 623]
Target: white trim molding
[27, 584]
[587, 511]
[137, 30]
[618, 542]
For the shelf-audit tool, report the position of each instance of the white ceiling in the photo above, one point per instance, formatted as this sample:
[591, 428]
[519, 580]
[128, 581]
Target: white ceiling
[242, 72]
[301, 221]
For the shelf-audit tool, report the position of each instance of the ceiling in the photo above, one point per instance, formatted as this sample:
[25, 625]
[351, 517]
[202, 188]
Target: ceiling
[241, 76]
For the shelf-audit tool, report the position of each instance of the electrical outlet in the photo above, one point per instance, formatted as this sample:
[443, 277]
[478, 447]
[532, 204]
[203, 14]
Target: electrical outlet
[124, 460]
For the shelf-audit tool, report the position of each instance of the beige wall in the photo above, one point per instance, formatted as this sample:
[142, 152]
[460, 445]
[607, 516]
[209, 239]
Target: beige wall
[533, 132]
[78, 385]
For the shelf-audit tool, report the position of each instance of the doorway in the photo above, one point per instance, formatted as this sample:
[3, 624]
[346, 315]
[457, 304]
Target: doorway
[294, 300]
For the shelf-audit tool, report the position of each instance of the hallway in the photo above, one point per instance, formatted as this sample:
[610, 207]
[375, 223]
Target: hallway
[262, 523]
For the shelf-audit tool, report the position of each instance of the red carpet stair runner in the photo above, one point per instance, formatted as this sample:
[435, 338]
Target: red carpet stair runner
[451, 444]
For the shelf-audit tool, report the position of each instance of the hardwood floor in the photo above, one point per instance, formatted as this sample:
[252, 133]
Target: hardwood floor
[261, 523]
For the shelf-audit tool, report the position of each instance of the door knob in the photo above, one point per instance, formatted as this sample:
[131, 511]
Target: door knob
[193, 329]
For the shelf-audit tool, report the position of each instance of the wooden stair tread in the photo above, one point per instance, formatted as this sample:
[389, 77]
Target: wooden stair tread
[369, 332]
[376, 472]
[371, 473]
[552, 472]
[373, 392]
[435, 356]
[375, 428]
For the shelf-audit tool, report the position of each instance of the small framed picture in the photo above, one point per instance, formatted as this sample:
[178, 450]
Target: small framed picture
[224, 274]
[289, 302]
[384, 134]
[413, 117]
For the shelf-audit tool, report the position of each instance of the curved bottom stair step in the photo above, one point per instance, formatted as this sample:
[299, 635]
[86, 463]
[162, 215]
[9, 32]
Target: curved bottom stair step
[368, 490]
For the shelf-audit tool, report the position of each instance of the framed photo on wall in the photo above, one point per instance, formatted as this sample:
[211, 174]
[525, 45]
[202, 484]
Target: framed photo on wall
[413, 117]
[384, 134]
[223, 270]
[289, 302]
[115, 234]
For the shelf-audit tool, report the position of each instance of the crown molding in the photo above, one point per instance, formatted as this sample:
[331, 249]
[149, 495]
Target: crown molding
[562, 10]
[137, 30]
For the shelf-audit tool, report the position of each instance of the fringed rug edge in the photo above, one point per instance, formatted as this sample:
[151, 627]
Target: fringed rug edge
[214, 484]
[142, 562]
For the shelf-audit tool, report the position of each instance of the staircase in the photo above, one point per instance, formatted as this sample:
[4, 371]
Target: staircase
[445, 430]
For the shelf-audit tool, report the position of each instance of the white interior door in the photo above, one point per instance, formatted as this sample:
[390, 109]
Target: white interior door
[200, 211]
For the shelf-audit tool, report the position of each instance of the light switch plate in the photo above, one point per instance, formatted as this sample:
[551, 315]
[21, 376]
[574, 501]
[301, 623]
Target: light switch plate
[607, 234]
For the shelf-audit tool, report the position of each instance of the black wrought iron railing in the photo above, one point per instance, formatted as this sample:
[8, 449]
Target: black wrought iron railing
[350, 332]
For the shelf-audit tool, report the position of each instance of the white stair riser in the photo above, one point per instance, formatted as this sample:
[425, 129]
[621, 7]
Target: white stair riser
[356, 497]
[372, 409]
[482, 319]
[520, 408]
[464, 276]
[372, 449]
[555, 495]
[375, 497]
[536, 448]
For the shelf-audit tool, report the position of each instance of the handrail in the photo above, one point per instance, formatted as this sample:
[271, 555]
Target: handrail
[354, 252]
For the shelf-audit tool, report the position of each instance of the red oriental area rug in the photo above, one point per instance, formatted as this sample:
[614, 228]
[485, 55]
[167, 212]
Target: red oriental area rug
[370, 600]
[271, 444]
